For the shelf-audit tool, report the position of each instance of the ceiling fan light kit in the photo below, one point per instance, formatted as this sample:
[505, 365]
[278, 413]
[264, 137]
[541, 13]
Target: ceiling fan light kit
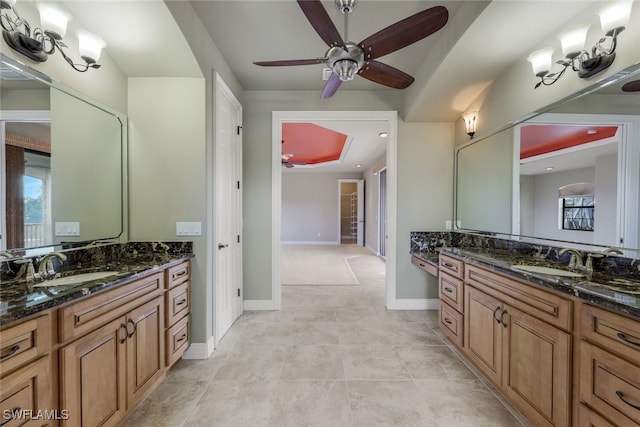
[613, 18]
[346, 59]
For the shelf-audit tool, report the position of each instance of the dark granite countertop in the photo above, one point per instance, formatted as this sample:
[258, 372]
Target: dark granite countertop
[611, 291]
[16, 302]
[428, 257]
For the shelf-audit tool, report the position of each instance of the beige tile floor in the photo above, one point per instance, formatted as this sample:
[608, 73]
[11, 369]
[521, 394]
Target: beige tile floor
[332, 356]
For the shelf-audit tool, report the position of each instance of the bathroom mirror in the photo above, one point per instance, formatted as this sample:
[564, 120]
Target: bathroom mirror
[62, 158]
[505, 186]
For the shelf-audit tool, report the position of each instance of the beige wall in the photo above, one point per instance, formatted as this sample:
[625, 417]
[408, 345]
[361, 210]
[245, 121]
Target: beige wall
[310, 206]
[167, 174]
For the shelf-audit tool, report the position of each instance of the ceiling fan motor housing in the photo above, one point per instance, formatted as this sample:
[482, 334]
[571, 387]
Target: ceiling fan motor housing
[346, 6]
[345, 63]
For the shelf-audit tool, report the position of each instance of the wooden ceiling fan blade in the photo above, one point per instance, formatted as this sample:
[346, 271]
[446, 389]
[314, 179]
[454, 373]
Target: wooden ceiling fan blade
[405, 32]
[386, 75]
[290, 62]
[633, 86]
[319, 19]
[331, 87]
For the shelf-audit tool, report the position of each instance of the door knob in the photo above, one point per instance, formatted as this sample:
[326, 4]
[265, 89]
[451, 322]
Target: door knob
[221, 246]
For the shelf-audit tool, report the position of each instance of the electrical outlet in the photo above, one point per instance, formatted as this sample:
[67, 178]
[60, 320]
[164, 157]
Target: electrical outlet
[67, 228]
[188, 228]
[458, 224]
[447, 224]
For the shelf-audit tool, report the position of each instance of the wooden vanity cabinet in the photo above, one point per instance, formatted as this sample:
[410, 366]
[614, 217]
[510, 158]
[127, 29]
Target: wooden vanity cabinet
[509, 337]
[451, 293]
[178, 306]
[108, 371]
[609, 370]
[25, 373]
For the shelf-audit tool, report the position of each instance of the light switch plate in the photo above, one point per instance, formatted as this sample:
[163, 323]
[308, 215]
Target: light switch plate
[188, 228]
[67, 229]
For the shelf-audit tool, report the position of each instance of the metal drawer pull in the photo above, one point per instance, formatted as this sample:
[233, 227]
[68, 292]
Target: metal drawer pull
[15, 412]
[135, 327]
[448, 289]
[179, 274]
[126, 333]
[421, 264]
[624, 338]
[502, 318]
[182, 301]
[182, 338]
[447, 321]
[11, 352]
[621, 397]
[495, 312]
[449, 265]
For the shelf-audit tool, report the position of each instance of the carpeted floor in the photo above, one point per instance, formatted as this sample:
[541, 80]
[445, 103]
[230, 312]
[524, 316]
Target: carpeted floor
[326, 264]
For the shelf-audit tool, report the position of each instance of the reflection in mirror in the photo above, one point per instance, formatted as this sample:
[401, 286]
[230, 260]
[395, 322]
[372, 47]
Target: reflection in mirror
[61, 164]
[523, 180]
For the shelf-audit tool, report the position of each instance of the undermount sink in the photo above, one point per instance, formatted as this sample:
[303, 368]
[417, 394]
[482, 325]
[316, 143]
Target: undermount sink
[546, 270]
[75, 279]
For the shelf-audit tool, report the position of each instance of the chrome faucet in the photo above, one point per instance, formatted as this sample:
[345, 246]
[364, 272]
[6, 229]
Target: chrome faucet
[45, 267]
[576, 258]
[27, 272]
[613, 251]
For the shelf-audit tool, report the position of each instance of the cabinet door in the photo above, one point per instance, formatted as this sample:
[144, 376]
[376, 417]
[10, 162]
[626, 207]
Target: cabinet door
[25, 392]
[145, 349]
[536, 375]
[92, 377]
[483, 332]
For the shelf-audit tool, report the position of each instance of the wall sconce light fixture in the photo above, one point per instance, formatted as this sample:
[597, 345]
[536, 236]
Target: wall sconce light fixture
[38, 44]
[613, 18]
[470, 122]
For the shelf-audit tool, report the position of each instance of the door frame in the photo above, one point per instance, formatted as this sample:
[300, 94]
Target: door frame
[13, 116]
[280, 117]
[382, 213]
[360, 209]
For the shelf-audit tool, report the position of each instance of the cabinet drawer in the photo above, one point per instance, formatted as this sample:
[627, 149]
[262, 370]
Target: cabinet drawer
[24, 342]
[177, 340]
[451, 291]
[429, 268]
[588, 418]
[617, 333]
[451, 265]
[178, 303]
[610, 385]
[528, 298]
[451, 324]
[88, 314]
[178, 274]
[24, 392]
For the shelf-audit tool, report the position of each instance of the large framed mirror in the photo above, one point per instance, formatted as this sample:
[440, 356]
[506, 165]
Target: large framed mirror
[62, 165]
[569, 173]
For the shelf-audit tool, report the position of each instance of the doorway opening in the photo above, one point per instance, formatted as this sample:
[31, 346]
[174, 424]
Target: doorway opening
[351, 216]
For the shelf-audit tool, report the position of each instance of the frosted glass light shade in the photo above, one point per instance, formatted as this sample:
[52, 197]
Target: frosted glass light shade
[573, 40]
[470, 122]
[615, 15]
[89, 45]
[54, 19]
[541, 61]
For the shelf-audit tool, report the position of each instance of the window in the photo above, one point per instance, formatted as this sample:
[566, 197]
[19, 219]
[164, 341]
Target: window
[577, 213]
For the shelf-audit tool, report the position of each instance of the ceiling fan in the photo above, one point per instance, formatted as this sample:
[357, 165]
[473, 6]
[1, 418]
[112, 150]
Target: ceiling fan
[346, 59]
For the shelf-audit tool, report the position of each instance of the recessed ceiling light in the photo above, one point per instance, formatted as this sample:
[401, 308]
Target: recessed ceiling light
[358, 165]
[592, 132]
[549, 168]
[383, 134]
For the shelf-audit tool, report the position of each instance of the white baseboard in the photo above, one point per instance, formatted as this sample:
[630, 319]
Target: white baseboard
[315, 242]
[373, 251]
[199, 350]
[414, 304]
[259, 304]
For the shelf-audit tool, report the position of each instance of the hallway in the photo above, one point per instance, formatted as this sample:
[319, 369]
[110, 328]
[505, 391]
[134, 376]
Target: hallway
[333, 356]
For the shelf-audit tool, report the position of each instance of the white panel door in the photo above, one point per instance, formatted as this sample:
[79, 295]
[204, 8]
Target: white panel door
[227, 210]
[361, 212]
